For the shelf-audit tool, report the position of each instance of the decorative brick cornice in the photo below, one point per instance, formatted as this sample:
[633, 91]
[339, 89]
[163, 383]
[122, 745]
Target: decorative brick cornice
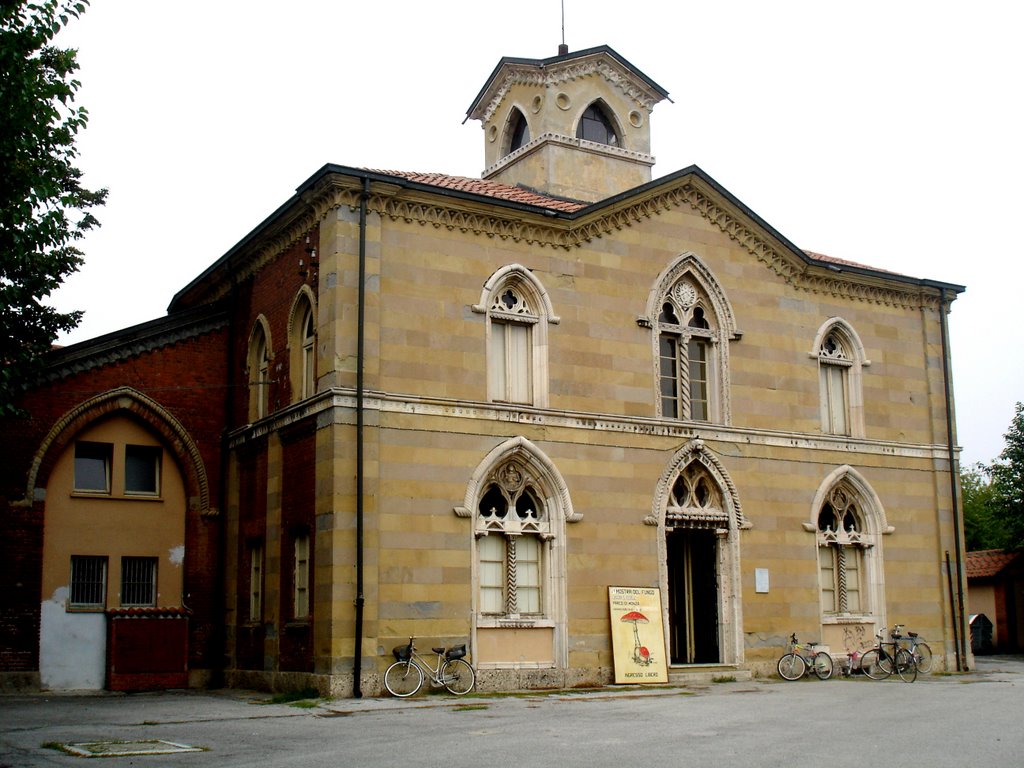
[556, 74]
[571, 142]
[132, 342]
[454, 213]
[794, 270]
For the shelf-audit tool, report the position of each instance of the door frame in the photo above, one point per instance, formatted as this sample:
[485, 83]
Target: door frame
[730, 593]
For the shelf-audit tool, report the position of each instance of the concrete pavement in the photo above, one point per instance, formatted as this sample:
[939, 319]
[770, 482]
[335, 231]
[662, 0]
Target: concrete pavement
[937, 721]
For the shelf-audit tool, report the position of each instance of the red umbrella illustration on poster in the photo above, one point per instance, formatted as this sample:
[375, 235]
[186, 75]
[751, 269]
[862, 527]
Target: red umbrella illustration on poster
[640, 653]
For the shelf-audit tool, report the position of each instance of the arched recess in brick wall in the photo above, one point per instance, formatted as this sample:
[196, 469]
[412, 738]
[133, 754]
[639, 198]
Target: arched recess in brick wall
[125, 400]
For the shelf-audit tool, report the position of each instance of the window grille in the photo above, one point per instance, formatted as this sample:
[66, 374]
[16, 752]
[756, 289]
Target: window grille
[138, 581]
[88, 581]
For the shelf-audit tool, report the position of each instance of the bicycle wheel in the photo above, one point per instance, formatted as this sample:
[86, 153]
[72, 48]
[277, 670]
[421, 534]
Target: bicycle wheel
[906, 667]
[923, 657]
[822, 665]
[458, 676]
[403, 678]
[871, 666]
[791, 666]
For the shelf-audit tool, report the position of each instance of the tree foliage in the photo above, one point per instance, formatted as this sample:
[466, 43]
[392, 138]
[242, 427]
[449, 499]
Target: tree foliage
[44, 208]
[993, 495]
[1008, 482]
[982, 529]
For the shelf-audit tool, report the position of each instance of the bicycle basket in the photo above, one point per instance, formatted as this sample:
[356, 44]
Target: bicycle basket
[455, 652]
[402, 652]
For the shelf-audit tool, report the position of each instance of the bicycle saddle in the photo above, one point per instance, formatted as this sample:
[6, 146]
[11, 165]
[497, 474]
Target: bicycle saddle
[438, 650]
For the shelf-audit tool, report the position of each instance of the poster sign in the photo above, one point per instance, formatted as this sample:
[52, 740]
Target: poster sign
[638, 635]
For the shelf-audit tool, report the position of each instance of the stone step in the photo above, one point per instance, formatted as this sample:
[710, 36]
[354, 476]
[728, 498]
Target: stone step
[707, 673]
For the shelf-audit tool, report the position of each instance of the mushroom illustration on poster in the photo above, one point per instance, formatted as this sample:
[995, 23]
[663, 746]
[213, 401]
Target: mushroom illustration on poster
[638, 639]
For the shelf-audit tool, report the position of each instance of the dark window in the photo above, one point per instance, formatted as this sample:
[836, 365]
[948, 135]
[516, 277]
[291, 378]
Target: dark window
[88, 581]
[92, 467]
[595, 126]
[142, 469]
[520, 135]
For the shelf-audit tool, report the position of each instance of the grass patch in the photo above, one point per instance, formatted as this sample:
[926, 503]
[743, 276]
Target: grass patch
[723, 679]
[468, 707]
[295, 698]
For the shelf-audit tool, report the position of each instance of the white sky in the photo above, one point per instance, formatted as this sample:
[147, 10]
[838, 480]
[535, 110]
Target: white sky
[887, 133]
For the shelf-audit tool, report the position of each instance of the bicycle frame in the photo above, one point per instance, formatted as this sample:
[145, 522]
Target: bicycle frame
[451, 670]
[433, 672]
[812, 661]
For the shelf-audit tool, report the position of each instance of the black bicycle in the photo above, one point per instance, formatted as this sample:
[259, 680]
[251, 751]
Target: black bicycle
[888, 658]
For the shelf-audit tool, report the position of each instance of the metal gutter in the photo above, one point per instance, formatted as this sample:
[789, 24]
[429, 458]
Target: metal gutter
[357, 659]
[953, 480]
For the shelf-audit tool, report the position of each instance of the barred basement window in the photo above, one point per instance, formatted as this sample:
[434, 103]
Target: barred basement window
[88, 589]
[138, 582]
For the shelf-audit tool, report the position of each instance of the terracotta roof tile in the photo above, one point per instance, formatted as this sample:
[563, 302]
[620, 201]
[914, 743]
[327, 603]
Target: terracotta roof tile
[487, 188]
[834, 260]
[988, 562]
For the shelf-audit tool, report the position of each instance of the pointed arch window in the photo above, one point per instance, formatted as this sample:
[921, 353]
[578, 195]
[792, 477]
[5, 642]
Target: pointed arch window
[695, 501]
[302, 343]
[259, 372]
[841, 545]
[687, 333]
[514, 528]
[840, 357]
[596, 126]
[518, 131]
[848, 522]
[518, 313]
[518, 505]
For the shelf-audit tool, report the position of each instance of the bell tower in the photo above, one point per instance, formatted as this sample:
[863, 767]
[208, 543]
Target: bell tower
[575, 125]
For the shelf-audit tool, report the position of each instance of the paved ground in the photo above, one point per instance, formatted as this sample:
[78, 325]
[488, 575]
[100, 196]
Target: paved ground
[953, 720]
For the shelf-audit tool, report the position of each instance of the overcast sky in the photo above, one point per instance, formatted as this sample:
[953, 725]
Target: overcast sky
[886, 133]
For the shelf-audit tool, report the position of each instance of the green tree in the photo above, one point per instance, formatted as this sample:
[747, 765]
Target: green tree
[1008, 482]
[982, 529]
[44, 208]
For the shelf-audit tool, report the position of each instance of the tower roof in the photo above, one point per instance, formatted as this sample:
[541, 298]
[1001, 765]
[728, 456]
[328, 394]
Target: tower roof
[615, 66]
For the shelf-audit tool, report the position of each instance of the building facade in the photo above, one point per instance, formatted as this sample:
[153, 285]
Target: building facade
[462, 409]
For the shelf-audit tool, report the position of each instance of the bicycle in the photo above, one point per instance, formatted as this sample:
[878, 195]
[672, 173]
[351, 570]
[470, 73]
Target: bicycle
[451, 670]
[922, 653]
[878, 663]
[800, 658]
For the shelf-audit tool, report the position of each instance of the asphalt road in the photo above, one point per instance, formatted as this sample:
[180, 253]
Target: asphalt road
[954, 720]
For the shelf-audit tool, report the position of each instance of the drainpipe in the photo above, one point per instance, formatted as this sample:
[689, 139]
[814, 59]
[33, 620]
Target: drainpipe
[357, 660]
[953, 472]
[219, 607]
